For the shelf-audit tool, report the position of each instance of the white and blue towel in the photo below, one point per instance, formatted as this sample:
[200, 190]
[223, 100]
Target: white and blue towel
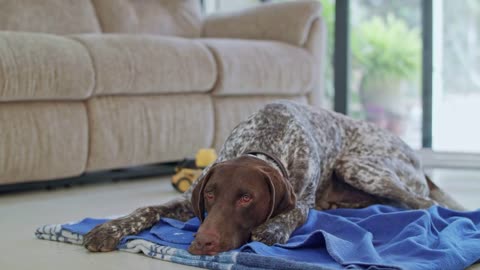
[373, 238]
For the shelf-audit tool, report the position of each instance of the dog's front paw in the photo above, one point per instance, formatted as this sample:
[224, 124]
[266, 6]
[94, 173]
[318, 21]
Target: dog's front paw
[104, 237]
[270, 235]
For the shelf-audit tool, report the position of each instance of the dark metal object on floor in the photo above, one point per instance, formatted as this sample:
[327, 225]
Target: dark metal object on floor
[140, 172]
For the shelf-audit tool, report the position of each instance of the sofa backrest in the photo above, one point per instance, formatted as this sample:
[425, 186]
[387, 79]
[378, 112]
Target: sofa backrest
[49, 16]
[161, 17]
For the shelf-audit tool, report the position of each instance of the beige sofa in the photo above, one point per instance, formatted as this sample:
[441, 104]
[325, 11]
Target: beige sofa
[89, 85]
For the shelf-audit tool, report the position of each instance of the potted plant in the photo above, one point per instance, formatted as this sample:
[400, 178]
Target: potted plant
[388, 55]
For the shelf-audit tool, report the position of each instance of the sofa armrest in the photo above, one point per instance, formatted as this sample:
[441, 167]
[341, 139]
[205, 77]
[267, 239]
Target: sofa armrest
[288, 22]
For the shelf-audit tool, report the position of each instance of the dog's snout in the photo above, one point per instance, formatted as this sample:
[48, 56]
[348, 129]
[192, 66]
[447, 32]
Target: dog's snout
[205, 243]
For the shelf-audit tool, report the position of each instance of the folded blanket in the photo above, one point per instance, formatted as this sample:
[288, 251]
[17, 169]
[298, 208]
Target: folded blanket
[377, 237]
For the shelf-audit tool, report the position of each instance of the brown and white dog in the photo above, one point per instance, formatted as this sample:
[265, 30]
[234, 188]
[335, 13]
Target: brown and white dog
[282, 161]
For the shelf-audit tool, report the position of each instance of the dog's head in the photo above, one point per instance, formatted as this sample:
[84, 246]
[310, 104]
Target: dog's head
[238, 195]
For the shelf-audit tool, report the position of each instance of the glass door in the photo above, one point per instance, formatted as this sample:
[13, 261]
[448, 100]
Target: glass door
[456, 92]
[386, 70]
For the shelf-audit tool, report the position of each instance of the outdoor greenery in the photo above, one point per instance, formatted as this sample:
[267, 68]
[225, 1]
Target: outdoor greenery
[383, 45]
[387, 48]
[386, 66]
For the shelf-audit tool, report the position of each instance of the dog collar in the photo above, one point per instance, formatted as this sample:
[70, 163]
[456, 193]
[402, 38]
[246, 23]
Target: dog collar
[273, 158]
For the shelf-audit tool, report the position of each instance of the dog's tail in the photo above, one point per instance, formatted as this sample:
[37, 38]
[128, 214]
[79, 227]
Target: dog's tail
[441, 197]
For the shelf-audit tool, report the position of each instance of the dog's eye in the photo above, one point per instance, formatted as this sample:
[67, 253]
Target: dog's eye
[246, 198]
[209, 195]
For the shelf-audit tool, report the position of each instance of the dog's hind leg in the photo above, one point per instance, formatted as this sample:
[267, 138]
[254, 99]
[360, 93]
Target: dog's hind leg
[374, 176]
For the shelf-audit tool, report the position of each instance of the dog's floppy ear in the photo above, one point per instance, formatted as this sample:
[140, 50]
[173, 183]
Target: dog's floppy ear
[283, 197]
[197, 200]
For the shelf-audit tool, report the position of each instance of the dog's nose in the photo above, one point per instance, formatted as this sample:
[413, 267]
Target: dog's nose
[205, 243]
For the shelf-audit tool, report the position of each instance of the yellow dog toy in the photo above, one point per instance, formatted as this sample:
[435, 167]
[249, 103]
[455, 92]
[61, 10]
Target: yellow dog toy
[189, 170]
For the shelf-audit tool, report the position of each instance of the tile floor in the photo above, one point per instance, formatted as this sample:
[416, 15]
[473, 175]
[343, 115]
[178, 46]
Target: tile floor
[22, 213]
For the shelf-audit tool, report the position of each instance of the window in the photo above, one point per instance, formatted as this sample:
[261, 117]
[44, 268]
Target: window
[386, 55]
[456, 93]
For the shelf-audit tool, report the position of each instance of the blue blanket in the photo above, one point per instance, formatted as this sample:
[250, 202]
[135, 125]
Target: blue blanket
[377, 237]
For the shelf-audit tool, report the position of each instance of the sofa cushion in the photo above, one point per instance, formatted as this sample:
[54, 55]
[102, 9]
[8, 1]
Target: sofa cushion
[248, 67]
[160, 17]
[49, 16]
[233, 110]
[37, 66]
[129, 131]
[141, 64]
[42, 140]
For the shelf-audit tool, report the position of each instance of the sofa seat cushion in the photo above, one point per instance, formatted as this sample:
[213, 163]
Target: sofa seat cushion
[42, 140]
[248, 67]
[129, 131]
[43, 67]
[59, 17]
[146, 64]
[181, 18]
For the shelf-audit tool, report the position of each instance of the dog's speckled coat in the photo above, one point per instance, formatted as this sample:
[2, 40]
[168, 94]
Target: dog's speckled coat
[332, 161]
